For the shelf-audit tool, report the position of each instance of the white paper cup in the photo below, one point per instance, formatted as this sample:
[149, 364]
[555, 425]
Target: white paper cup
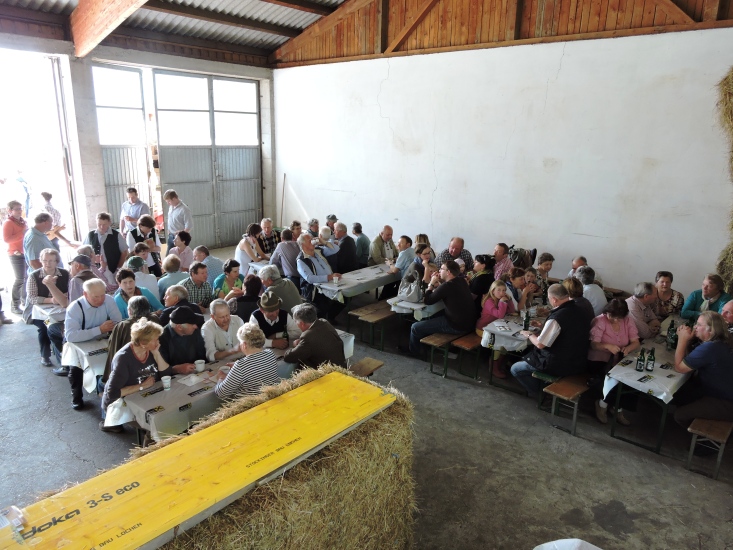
[336, 280]
[200, 365]
[166, 382]
[225, 370]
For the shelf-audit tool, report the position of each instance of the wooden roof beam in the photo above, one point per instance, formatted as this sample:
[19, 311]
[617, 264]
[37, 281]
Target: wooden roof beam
[674, 12]
[91, 21]
[424, 9]
[221, 18]
[304, 5]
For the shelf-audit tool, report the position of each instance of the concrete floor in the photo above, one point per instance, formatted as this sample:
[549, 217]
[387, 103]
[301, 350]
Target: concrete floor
[491, 471]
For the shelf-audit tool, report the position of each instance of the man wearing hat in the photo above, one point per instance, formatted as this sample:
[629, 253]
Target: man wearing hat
[220, 332]
[313, 228]
[331, 220]
[181, 342]
[143, 278]
[80, 271]
[278, 325]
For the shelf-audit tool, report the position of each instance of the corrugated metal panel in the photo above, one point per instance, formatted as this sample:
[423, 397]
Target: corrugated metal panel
[257, 10]
[239, 189]
[124, 167]
[64, 7]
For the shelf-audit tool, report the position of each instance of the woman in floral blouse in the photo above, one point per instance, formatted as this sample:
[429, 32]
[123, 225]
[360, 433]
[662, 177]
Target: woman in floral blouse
[670, 301]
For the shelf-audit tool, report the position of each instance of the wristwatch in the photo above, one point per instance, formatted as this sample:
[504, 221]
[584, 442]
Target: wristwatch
[141, 388]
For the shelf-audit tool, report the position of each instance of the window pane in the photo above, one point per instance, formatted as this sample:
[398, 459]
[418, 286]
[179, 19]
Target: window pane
[182, 128]
[235, 129]
[181, 92]
[120, 126]
[230, 95]
[117, 88]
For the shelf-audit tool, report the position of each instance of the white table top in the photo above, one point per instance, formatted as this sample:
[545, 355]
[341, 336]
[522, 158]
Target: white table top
[359, 281]
[77, 354]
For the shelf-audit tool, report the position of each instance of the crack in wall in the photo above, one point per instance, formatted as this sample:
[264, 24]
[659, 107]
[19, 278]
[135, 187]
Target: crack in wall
[435, 176]
[557, 75]
[389, 121]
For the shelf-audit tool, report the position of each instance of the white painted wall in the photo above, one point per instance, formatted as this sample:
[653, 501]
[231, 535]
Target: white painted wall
[606, 148]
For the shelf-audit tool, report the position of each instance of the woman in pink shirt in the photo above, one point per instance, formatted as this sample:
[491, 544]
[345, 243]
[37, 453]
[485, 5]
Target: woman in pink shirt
[182, 250]
[613, 335]
[14, 229]
[496, 304]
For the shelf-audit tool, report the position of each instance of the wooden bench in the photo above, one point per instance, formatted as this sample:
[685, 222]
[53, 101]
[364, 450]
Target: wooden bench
[569, 389]
[547, 379]
[442, 342]
[470, 343]
[366, 366]
[713, 432]
[375, 319]
[365, 310]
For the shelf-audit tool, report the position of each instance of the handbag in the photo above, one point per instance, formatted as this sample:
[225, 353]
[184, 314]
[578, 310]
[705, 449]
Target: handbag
[410, 289]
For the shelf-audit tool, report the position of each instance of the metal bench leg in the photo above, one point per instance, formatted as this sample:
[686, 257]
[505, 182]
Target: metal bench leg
[721, 448]
[575, 417]
[692, 449]
[432, 351]
[553, 408]
[460, 361]
[371, 334]
[381, 340]
[478, 362]
[445, 360]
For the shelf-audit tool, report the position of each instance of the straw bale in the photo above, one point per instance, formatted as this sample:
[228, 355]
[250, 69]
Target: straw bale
[725, 113]
[358, 492]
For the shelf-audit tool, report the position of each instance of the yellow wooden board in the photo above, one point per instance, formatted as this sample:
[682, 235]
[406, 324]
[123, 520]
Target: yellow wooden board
[182, 483]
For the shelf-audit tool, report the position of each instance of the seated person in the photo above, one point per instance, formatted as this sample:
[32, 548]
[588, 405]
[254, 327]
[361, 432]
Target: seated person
[313, 228]
[80, 271]
[296, 229]
[576, 262]
[362, 245]
[422, 264]
[145, 233]
[530, 277]
[319, 342]
[282, 288]
[143, 279]
[198, 287]
[347, 259]
[727, 314]
[244, 305]
[99, 273]
[481, 278]
[496, 305]
[562, 346]
[640, 309]
[613, 335]
[314, 268]
[454, 251]
[228, 285]
[382, 247]
[669, 301]
[87, 318]
[710, 298]
[214, 265]
[177, 296]
[140, 359]
[128, 289]
[518, 288]
[591, 291]
[708, 395]
[459, 315]
[544, 266]
[285, 257]
[503, 263]
[220, 332]
[405, 257]
[278, 325]
[181, 342]
[248, 249]
[48, 285]
[181, 249]
[173, 274]
[422, 238]
[575, 289]
[269, 238]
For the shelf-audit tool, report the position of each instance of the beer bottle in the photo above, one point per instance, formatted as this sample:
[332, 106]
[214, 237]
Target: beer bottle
[650, 360]
[526, 319]
[671, 337]
[640, 361]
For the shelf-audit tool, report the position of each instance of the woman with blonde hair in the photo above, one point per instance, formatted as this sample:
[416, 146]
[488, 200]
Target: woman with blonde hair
[422, 238]
[495, 304]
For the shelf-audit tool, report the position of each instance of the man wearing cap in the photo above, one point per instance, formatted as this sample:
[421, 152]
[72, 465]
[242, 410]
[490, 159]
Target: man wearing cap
[313, 228]
[331, 220]
[199, 289]
[143, 279]
[181, 342]
[177, 296]
[282, 288]
[319, 342]
[220, 332]
[80, 271]
[277, 324]
[347, 260]
[269, 238]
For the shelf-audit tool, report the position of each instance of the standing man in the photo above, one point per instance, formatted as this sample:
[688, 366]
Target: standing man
[199, 289]
[132, 210]
[269, 238]
[108, 243]
[711, 297]
[640, 309]
[179, 216]
[346, 259]
[456, 251]
[503, 262]
[319, 342]
[35, 240]
[382, 247]
[362, 245]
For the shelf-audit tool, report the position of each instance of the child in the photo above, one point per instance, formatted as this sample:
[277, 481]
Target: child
[181, 249]
[496, 304]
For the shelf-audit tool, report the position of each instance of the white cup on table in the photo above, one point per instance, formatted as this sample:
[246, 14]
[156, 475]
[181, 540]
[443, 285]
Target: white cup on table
[166, 382]
[225, 370]
[200, 365]
[336, 280]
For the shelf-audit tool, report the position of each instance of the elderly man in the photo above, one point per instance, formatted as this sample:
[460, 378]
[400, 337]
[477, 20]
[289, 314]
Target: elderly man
[181, 342]
[456, 251]
[282, 288]
[220, 332]
[35, 240]
[285, 257]
[88, 251]
[362, 245]
[269, 238]
[640, 309]
[331, 220]
[711, 297]
[87, 318]
[313, 228]
[577, 262]
[460, 313]
[80, 270]
[708, 395]
[503, 261]
[177, 296]
[278, 325]
[108, 243]
[179, 216]
[727, 313]
[199, 289]
[313, 268]
[382, 247]
[561, 349]
[173, 274]
[214, 265]
[48, 285]
[346, 259]
[132, 210]
[591, 291]
[319, 342]
[406, 256]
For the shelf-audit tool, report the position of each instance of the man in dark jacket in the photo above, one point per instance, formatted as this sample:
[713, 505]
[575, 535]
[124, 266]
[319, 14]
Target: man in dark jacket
[346, 257]
[319, 342]
[561, 348]
[181, 342]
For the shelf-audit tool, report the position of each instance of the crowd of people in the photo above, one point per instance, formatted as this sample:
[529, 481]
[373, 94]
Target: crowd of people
[153, 307]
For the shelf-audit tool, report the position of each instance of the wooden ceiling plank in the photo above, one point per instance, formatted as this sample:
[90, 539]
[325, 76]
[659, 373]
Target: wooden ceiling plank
[424, 9]
[304, 5]
[711, 10]
[91, 21]
[675, 12]
[221, 18]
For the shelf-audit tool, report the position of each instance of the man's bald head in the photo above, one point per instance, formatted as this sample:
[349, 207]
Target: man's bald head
[727, 313]
[386, 233]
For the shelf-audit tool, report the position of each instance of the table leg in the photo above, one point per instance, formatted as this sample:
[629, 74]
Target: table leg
[662, 423]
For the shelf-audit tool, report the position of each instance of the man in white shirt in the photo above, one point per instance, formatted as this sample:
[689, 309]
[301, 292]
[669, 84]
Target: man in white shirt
[591, 291]
[179, 216]
[220, 332]
[132, 210]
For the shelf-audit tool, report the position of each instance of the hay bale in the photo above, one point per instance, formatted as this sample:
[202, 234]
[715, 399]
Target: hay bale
[358, 492]
[725, 112]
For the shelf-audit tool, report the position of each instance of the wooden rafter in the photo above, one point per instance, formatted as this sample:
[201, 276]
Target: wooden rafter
[513, 19]
[304, 5]
[221, 18]
[91, 21]
[674, 12]
[711, 10]
[425, 8]
[382, 25]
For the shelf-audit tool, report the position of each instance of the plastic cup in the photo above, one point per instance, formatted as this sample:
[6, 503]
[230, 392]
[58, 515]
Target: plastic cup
[166, 382]
[336, 280]
[200, 365]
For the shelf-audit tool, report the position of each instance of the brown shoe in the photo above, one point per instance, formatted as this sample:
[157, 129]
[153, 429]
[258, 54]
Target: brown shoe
[621, 419]
[601, 413]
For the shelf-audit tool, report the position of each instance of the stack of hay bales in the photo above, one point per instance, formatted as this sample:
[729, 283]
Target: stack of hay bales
[725, 111]
[358, 492]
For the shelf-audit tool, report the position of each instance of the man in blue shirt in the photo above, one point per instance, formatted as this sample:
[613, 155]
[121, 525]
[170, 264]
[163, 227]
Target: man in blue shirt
[132, 210]
[314, 268]
[93, 315]
[35, 240]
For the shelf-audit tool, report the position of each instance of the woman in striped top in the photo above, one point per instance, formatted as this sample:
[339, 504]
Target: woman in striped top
[257, 369]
